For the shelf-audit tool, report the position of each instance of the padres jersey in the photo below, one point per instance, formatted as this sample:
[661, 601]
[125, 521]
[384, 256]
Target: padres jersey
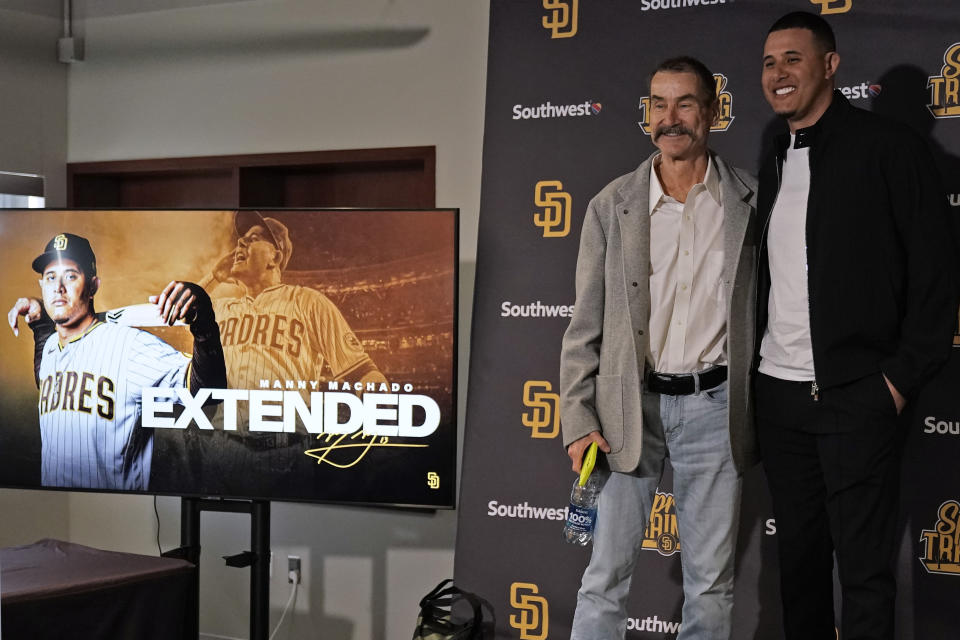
[90, 396]
[287, 333]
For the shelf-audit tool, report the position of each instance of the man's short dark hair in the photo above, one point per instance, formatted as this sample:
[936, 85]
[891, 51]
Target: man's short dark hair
[822, 33]
[688, 64]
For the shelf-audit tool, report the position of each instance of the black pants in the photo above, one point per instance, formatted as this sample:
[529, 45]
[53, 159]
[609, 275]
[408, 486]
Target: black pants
[833, 467]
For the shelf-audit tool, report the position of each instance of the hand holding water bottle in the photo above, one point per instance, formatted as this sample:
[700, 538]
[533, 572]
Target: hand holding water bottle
[582, 513]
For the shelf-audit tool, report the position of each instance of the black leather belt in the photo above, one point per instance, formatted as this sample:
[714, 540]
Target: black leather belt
[683, 384]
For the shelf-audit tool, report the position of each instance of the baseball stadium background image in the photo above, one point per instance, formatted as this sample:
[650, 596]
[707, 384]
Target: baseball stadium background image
[390, 275]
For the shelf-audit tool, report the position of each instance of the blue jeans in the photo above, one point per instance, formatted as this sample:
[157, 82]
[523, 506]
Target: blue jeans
[692, 431]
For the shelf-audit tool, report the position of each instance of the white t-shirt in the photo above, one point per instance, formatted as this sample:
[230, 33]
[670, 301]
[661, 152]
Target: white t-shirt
[786, 351]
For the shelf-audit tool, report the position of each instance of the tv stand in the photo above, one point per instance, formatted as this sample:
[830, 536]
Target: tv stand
[257, 558]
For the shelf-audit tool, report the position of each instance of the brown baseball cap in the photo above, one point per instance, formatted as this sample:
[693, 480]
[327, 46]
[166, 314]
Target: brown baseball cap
[277, 232]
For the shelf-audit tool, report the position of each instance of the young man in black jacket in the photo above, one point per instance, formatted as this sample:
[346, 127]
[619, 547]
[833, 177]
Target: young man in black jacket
[856, 311]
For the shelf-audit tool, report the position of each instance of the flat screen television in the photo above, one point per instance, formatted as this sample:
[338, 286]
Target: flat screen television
[337, 331]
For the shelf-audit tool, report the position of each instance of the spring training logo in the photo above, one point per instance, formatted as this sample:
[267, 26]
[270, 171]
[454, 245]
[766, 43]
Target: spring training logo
[945, 88]
[723, 121]
[956, 330]
[661, 534]
[940, 546]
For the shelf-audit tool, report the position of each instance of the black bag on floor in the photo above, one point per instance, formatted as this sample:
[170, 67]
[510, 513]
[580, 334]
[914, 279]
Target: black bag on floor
[437, 620]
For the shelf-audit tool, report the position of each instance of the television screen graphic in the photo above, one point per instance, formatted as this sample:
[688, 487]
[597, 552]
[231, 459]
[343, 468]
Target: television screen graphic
[303, 355]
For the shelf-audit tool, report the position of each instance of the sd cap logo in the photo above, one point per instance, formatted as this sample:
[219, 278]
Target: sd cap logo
[561, 20]
[544, 420]
[533, 621]
[556, 203]
[833, 6]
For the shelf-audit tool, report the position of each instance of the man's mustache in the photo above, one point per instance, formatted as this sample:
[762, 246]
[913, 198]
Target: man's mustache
[674, 129]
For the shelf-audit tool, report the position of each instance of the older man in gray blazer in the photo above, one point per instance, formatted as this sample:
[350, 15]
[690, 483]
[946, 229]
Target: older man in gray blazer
[656, 360]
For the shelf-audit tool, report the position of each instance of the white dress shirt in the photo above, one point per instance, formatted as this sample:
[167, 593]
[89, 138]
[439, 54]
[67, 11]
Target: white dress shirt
[786, 351]
[688, 311]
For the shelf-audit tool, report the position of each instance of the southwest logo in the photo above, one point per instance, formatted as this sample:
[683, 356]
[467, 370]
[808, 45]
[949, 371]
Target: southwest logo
[723, 121]
[860, 91]
[556, 203]
[549, 110]
[945, 88]
[561, 19]
[661, 534]
[544, 417]
[656, 5]
[942, 427]
[653, 624]
[533, 621]
[833, 6]
[941, 545]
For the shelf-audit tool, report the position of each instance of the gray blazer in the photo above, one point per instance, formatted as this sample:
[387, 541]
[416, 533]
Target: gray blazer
[605, 345]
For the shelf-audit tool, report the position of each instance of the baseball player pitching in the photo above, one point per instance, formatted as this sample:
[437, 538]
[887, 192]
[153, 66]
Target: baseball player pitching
[91, 374]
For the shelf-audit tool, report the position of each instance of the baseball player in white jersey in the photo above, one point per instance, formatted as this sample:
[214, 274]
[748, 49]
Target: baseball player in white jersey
[278, 331]
[272, 332]
[91, 374]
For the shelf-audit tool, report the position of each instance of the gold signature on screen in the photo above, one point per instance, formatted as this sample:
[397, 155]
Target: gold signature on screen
[355, 450]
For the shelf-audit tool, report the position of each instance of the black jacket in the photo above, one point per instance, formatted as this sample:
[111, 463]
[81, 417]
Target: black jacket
[879, 249]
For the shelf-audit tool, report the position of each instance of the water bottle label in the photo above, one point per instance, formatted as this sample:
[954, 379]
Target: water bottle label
[581, 519]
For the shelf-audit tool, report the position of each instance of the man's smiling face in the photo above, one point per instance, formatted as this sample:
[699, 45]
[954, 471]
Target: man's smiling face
[680, 114]
[797, 76]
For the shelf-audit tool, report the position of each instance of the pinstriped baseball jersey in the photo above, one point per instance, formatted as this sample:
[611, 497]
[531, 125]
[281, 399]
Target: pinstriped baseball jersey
[90, 406]
[287, 332]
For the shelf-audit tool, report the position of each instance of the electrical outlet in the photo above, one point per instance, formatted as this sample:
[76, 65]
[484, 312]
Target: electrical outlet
[293, 564]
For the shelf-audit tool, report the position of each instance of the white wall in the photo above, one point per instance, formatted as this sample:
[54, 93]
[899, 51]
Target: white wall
[33, 125]
[33, 139]
[262, 76]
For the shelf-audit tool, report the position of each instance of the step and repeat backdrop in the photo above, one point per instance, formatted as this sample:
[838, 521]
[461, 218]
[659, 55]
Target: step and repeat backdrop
[566, 112]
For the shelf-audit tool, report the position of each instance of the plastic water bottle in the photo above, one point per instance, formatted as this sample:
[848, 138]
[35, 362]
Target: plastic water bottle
[582, 514]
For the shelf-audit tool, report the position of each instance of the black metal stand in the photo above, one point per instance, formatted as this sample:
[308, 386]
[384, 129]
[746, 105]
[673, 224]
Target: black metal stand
[258, 558]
